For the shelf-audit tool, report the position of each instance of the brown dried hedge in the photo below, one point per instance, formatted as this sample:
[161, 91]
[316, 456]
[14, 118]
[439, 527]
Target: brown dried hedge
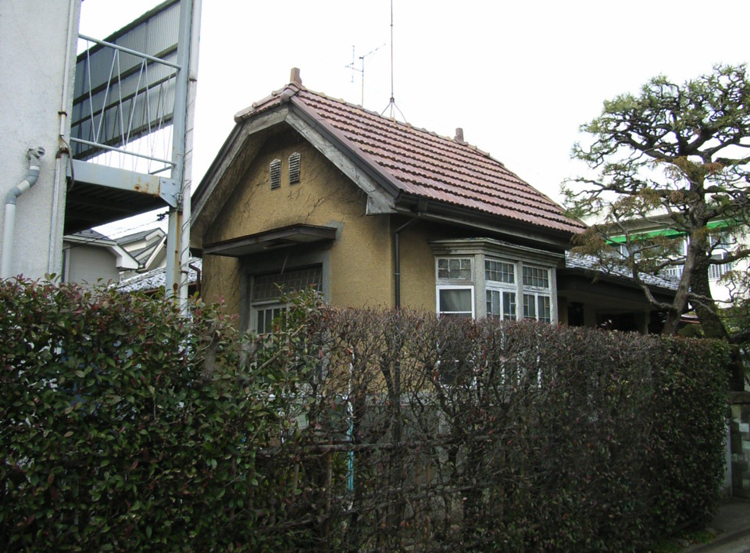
[128, 428]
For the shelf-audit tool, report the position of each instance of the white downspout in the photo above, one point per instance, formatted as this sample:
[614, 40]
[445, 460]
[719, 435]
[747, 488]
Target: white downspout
[10, 208]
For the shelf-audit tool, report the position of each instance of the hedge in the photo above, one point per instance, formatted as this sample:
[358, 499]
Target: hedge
[129, 428]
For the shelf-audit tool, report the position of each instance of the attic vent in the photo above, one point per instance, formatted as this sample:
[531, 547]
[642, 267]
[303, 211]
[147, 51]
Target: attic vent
[294, 161]
[275, 174]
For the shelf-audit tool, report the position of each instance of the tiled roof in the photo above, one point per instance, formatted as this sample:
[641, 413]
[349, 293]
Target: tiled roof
[590, 263]
[89, 234]
[425, 165]
[153, 280]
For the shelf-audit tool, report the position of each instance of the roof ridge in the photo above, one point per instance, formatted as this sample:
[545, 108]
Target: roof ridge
[406, 124]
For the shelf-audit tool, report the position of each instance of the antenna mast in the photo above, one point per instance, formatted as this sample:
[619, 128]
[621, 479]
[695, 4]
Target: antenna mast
[392, 102]
[362, 69]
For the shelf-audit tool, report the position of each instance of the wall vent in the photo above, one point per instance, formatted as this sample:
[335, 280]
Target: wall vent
[275, 174]
[294, 162]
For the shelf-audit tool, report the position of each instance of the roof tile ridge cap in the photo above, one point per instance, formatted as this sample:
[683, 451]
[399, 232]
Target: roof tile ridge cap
[291, 89]
[356, 107]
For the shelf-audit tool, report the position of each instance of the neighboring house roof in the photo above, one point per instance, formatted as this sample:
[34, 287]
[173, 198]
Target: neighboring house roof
[409, 164]
[93, 238]
[145, 246]
[153, 280]
[590, 264]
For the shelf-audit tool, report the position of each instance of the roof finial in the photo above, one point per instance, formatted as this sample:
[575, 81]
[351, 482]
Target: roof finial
[295, 77]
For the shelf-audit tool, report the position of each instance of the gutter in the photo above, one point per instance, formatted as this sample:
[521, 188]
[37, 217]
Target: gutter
[33, 155]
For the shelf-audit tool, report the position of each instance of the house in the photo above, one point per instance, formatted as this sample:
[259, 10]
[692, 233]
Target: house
[309, 190]
[658, 229]
[90, 258]
[151, 282]
[148, 247]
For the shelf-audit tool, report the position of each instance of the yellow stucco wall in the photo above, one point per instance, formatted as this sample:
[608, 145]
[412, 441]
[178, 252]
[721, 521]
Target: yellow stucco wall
[360, 258]
[418, 263]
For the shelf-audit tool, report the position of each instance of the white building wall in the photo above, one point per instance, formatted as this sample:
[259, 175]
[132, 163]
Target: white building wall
[90, 265]
[34, 35]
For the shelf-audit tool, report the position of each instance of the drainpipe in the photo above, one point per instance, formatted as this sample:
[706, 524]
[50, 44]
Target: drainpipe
[397, 247]
[10, 208]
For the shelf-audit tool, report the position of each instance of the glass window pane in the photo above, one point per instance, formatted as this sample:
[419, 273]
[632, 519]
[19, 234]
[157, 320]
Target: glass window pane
[535, 277]
[499, 271]
[529, 307]
[454, 268]
[443, 270]
[545, 313]
[261, 326]
[455, 300]
[509, 305]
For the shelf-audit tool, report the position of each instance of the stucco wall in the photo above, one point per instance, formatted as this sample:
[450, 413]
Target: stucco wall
[418, 261]
[89, 264]
[33, 38]
[360, 258]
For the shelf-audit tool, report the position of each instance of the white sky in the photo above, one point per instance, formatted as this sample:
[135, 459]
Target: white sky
[519, 77]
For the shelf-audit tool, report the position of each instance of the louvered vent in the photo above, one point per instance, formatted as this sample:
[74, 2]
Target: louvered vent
[275, 173]
[294, 161]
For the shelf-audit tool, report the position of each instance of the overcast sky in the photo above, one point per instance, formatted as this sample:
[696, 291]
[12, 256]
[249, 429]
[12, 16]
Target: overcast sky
[518, 77]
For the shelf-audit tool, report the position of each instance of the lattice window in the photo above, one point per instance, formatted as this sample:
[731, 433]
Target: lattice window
[454, 268]
[499, 271]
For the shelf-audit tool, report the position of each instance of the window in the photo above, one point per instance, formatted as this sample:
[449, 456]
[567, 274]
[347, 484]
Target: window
[499, 271]
[537, 300]
[454, 268]
[483, 277]
[267, 290]
[275, 174]
[456, 301]
[500, 277]
[454, 297]
[537, 306]
[715, 272]
[266, 315]
[501, 304]
[535, 277]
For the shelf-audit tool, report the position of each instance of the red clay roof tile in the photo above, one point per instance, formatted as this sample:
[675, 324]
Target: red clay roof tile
[426, 165]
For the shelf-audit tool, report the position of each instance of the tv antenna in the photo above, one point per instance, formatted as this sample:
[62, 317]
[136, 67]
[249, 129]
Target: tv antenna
[361, 70]
[392, 103]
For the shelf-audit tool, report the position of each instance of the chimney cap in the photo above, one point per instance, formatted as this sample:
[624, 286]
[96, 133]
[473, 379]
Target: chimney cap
[460, 136]
[295, 77]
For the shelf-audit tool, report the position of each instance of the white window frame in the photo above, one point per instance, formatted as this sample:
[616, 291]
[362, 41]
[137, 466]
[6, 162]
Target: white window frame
[482, 250]
[500, 287]
[718, 270]
[264, 306]
[440, 287]
[472, 269]
[536, 292]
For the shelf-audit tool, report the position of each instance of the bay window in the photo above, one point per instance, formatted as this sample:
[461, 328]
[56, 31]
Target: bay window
[516, 282]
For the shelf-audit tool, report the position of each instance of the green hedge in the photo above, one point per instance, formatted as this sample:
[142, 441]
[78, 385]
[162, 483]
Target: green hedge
[128, 428]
